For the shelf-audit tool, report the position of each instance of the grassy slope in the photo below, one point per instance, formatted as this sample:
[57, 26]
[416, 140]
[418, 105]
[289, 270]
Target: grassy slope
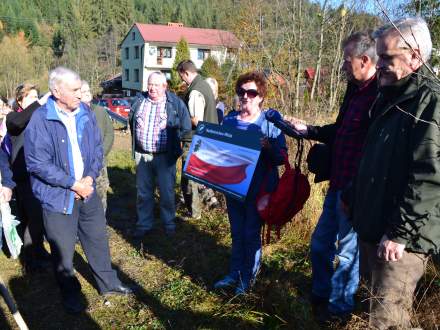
[175, 275]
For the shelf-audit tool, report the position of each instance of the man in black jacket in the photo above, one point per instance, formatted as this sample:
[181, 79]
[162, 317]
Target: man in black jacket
[334, 242]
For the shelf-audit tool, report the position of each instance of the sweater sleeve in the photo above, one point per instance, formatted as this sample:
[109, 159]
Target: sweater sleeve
[5, 170]
[108, 134]
[16, 122]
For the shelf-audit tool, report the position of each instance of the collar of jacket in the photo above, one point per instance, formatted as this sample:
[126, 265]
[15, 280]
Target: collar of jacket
[52, 112]
[402, 90]
[195, 81]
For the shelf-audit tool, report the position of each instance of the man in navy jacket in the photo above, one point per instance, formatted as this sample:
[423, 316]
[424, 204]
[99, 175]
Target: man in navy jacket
[63, 151]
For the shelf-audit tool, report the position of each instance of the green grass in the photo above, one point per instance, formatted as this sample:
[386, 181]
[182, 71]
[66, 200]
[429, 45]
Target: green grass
[175, 275]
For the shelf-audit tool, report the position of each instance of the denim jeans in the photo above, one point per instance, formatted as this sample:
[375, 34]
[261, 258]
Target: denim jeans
[149, 170]
[246, 241]
[334, 237]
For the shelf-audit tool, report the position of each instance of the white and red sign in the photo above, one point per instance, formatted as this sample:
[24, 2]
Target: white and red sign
[223, 158]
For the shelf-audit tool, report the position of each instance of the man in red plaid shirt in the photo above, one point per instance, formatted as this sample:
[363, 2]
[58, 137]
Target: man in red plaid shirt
[334, 242]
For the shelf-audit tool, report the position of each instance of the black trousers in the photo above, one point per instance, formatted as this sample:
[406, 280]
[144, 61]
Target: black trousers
[31, 228]
[87, 222]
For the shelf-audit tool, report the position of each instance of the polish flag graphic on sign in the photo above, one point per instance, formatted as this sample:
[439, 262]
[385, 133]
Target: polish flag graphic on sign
[216, 165]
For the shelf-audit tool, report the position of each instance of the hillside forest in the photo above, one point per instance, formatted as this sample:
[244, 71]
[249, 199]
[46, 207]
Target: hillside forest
[281, 37]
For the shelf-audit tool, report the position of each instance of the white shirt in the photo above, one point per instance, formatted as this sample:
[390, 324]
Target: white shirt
[196, 105]
[69, 120]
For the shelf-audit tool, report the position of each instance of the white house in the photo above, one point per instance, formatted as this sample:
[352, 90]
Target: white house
[152, 47]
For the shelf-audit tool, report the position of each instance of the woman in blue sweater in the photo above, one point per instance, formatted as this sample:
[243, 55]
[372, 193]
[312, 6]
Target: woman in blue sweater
[245, 222]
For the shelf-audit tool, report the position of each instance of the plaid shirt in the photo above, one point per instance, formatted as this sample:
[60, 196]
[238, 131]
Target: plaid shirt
[151, 122]
[350, 136]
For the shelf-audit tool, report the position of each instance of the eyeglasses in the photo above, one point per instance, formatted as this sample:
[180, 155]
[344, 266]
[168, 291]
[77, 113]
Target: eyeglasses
[251, 93]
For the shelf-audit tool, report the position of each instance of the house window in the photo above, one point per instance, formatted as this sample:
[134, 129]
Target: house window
[164, 52]
[127, 53]
[133, 35]
[127, 75]
[203, 54]
[136, 75]
[136, 51]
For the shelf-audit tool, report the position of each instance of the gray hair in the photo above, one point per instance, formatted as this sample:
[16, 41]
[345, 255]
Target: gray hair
[362, 44]
[415, 34]
[160, 74]
[60, 75]
[85, 83]
[212, 82]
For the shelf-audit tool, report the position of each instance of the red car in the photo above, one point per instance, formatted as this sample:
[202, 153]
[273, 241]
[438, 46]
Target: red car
[117, 105]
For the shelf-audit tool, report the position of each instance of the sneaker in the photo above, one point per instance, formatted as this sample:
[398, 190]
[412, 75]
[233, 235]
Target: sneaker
[225, 282]
[213, 203]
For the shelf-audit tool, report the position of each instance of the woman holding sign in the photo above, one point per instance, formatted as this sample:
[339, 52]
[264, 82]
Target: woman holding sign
[244, 219]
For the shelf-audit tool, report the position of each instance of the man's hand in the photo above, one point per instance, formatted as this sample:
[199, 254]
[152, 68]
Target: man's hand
[87, 180]
[298, 124]
[83, 190]
[389, 250]
[194, 121]
[5, 194]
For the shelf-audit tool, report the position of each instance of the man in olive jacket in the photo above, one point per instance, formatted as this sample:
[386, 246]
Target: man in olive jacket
[108, 136]
[396, 208]
[200, 101]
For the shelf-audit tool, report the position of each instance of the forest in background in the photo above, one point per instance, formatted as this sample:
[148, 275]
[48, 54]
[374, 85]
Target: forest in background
[282, 37]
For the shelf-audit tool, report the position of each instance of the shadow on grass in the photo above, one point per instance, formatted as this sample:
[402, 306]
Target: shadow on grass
[195, 249]
[39, 302]
[4, 324]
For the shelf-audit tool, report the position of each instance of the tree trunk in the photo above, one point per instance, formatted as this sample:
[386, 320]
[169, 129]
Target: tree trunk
[321, 45]
[298, 60]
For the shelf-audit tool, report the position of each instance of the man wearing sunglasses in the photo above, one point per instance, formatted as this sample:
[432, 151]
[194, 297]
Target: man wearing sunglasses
[334, 246]
[200, 101]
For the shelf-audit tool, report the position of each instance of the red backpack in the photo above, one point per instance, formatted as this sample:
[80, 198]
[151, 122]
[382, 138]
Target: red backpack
[279, 207]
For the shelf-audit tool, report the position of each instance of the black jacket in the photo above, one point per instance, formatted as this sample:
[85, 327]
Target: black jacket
[16, 123]
[178, 124]
[398, 181]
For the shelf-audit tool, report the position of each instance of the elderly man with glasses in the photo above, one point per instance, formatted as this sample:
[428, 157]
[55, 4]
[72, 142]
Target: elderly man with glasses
[396, 208]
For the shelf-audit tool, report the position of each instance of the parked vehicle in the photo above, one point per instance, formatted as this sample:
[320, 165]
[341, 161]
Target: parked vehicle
[119, 106]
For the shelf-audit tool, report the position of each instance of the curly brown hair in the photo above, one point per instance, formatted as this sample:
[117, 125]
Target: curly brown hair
[256, 76]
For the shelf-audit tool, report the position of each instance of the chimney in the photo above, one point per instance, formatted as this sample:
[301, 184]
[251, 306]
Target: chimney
[175, 24]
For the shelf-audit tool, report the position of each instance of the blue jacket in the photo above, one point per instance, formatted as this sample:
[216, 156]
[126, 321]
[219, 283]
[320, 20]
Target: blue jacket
[5, 171]
[49, 157]
[178, 124]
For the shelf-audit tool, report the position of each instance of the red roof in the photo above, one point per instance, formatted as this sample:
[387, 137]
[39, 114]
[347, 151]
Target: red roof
[173, 33]
[309, 73]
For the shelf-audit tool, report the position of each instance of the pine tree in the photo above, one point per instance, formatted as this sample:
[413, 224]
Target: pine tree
[182, 53]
